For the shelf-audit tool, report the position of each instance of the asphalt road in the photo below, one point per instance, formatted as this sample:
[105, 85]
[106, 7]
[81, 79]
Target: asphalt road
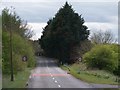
[48, 75]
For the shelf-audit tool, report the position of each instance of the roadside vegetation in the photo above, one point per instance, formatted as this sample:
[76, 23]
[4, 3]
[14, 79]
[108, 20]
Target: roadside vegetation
[98, 65]
[0, 51]
[103, 57]
[0, 42]
[95, 60]
[19, 50]
[21, 46]
[91, 75]
[62, 33]
[20, 79]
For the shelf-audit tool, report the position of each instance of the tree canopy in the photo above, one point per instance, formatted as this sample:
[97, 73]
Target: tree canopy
[10, 20]
[21, 46]
[65, 30]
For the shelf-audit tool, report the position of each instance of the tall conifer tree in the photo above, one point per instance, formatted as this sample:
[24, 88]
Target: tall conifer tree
[63, 32]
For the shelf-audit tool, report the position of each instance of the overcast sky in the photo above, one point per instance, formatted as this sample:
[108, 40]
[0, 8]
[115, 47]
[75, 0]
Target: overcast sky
[98, 14]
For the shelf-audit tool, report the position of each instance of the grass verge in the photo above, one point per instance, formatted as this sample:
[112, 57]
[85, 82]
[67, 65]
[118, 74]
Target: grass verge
[91, 76]
[20, 79]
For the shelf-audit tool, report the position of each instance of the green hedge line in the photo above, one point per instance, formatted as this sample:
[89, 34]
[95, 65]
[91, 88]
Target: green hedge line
[20, 47]
[103, 57]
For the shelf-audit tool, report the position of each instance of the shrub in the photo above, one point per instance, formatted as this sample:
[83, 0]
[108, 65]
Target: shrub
[117, 69]
[20, 47]
[102, 57]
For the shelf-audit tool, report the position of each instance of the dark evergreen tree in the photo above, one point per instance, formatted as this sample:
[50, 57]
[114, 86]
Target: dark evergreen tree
[62, 33]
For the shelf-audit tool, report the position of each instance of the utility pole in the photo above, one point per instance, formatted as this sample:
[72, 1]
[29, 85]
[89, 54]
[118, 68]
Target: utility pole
[11, 62]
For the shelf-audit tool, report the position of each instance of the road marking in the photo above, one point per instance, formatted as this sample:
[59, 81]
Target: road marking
[55, 81]
[57, 75]
[30, 77]
[53, 78]
[59, 86]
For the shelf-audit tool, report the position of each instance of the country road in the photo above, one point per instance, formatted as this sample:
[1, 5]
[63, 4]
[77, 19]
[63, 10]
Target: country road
[48, 75]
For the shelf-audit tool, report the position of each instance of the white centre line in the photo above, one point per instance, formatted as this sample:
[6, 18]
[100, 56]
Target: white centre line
[59, 86]
[51, 75]
[55, 81]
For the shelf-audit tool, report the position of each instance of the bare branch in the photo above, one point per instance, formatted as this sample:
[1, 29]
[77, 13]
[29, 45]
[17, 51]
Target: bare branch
[103, 37]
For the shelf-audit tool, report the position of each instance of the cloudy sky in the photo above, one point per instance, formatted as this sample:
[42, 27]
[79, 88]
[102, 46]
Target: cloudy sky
[98, 14]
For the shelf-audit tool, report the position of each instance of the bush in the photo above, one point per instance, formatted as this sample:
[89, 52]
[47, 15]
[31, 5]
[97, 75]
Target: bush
[102, 57]
[117, 69]
[24, 47]
[20, 47]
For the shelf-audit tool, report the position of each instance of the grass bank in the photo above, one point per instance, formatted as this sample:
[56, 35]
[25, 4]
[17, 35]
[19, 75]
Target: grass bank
[20, 79]
[91, 76]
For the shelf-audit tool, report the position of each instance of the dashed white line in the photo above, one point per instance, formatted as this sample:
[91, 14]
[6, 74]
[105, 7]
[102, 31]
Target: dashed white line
[52, 75]
[55, 81]
[59, 86]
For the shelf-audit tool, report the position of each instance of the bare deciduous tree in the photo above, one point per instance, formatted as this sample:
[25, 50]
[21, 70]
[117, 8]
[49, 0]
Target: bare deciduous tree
[100, 37]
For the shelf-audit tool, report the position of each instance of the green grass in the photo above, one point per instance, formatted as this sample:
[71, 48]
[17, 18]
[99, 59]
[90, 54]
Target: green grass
[20, 80]
[91, 76]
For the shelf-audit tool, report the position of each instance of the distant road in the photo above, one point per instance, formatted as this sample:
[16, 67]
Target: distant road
[48, 75]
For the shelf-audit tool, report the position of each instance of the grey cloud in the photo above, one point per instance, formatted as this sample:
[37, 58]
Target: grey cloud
[96, 12]
[61, 0]
[42, 11]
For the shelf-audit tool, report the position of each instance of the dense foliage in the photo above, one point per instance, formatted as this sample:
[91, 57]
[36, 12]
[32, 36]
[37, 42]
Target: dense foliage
[62, 33]
[11, 21]
[37, 47]
[0, 40]
[103, 57]
[20, 43]
[79, 50]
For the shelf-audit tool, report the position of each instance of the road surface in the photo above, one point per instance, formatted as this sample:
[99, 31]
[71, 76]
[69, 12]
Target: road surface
[48, 75]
